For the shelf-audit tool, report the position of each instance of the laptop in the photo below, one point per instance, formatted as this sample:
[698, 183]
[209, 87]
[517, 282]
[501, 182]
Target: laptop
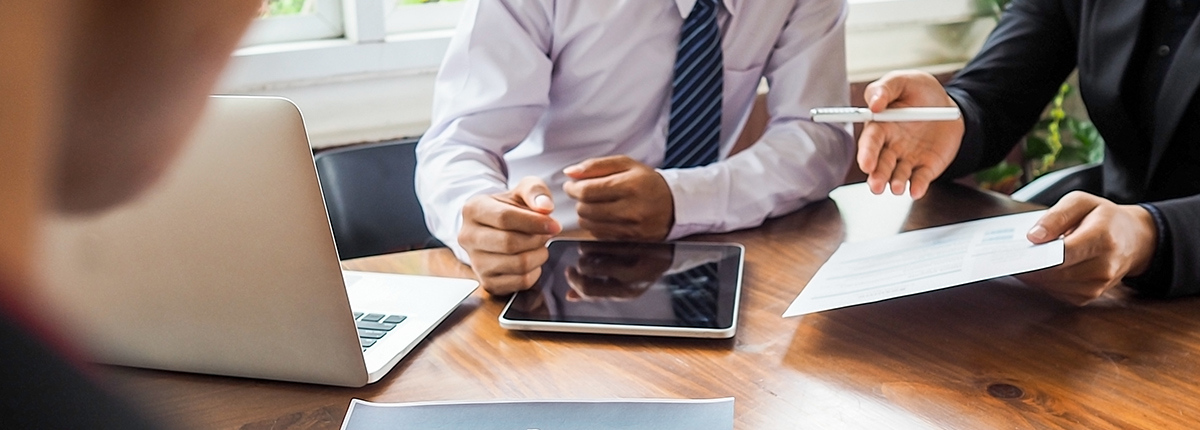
[227, 266]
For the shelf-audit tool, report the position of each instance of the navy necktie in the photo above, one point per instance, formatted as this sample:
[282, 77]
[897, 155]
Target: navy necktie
[694, 130]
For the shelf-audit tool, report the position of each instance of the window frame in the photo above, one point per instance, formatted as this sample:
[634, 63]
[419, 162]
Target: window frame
[323, 22]
[422, 17]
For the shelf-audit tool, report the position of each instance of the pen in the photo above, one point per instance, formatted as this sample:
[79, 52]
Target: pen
[856, 114]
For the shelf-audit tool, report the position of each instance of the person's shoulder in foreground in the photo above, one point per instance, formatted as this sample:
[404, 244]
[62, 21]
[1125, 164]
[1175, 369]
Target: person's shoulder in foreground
[97, 97]
[1140, 231]
[41, 390]
[558, 117]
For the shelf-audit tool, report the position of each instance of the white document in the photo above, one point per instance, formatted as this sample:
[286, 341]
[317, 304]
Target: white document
[926, 260]
[627, 414]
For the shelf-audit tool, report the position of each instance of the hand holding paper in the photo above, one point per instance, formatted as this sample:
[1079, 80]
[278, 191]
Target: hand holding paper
[926, 260]
[1105, 243]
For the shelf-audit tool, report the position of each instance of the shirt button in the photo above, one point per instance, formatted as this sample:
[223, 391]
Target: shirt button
[1164, 50]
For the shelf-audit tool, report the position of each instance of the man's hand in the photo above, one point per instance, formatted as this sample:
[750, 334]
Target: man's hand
[620, 198]
[1104, 242]
[917, 152]
[505, 235]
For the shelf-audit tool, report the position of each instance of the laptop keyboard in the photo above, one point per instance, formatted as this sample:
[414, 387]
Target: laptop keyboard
[372, 327]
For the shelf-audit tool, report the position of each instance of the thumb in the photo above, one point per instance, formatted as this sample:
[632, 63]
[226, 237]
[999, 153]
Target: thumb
[881, 93]
[534, 193]
[903, 88]
[1063, 217]
[599, 167]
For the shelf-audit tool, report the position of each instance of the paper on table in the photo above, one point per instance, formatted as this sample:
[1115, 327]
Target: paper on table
[649, 414]
[926, 260]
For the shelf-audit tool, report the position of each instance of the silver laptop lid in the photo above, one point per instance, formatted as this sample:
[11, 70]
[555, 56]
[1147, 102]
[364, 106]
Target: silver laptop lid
[226, 266]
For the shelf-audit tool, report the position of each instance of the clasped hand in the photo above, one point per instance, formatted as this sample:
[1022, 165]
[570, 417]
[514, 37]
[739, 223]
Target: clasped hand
[505, 234]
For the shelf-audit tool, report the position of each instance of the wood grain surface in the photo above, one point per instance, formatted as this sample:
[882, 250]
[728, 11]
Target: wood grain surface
[990, 355]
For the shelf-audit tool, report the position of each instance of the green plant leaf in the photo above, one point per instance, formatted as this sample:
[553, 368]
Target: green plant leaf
[1095, 152]
[1070, 156]
[998, 173]
[1036, 147]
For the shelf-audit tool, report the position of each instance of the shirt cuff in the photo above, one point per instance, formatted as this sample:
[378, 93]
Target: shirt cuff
[688, 196]
[1157, 278]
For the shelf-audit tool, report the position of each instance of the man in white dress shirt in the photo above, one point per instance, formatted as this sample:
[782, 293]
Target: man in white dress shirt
[553, 114]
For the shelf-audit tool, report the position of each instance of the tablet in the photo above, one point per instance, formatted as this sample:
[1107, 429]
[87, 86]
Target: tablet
[681, 289]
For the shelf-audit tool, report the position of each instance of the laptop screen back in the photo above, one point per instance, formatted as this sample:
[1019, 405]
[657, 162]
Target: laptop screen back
[227, 265]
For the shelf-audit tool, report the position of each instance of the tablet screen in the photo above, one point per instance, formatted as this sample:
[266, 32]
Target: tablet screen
[684, 285]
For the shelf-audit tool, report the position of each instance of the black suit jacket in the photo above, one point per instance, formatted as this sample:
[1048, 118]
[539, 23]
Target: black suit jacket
[1035, 46]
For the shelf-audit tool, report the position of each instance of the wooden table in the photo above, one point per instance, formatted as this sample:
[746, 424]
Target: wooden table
[988, 355]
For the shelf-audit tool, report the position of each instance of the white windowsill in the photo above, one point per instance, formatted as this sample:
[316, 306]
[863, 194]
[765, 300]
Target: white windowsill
[301, 63]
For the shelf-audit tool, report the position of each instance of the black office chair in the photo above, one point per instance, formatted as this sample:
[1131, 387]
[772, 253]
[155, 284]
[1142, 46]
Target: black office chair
[1047, 189]
[371, 199]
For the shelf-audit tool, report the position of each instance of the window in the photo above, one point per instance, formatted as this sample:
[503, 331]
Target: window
[406, 16]
[296, 20]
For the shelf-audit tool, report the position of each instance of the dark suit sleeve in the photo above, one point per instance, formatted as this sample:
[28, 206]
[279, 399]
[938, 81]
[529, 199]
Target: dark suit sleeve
[1004, 89]
[1174, 272]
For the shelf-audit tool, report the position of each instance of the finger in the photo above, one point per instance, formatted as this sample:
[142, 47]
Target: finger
[1078, 250]
[889, 88]
[612, 231]
[877, 180]
[598, 167]
[487, 239]
[534, 194]
[490, 212]
[508, 284]
[617, 212]
[1064, 215]
[878, 95]
[599, 190]
[870, 143]
[918, 184]
[1086, 272]
[493, 264]
[900, 177]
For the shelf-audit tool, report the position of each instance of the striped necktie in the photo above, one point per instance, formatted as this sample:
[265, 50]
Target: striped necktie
[694, 130]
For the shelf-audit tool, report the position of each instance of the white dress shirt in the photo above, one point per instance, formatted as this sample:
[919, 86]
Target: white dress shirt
[529, 87]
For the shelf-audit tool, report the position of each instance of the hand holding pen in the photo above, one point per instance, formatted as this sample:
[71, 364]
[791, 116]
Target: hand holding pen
[912, 132]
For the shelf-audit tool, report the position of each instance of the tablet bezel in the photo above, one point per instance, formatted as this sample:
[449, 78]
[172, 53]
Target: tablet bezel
[634, 329]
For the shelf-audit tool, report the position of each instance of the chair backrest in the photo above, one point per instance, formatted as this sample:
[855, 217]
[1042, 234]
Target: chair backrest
[371, 199]
[1047, 189]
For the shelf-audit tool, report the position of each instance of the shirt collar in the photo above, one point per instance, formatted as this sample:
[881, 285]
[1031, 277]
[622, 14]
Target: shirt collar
[686, 6]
